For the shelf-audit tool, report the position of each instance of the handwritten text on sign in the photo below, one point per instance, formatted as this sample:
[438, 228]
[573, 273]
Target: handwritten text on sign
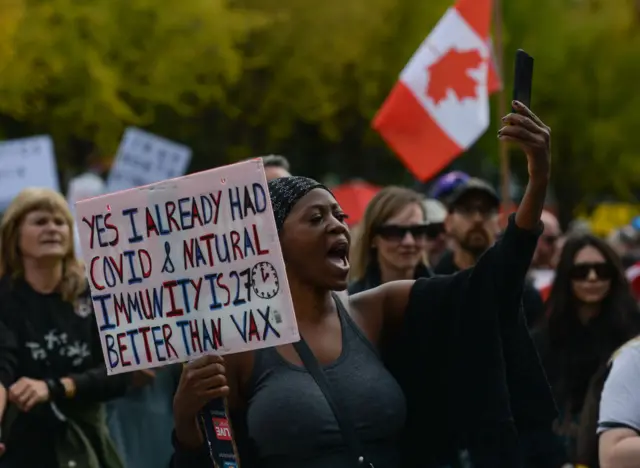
[186, 267]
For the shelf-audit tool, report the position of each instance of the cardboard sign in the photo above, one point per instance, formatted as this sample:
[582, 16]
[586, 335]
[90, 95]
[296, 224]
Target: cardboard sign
[186, 267]
[26, 162]
[144, 158]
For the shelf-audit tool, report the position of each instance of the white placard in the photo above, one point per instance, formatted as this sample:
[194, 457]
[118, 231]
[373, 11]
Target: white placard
[186, 267]
[144, 158]
[26, 162]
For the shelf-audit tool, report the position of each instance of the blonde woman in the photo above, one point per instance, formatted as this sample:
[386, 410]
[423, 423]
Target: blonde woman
[52, 374]
[392, 241]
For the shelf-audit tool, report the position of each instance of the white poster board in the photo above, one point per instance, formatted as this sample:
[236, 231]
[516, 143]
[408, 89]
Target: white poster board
[26, 162]
[144, 158]
[186, 267]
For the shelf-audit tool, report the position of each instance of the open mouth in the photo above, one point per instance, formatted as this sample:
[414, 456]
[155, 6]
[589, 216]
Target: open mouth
[339, 254]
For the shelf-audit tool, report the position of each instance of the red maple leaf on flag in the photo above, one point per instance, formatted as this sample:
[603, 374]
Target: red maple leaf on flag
[450, 71]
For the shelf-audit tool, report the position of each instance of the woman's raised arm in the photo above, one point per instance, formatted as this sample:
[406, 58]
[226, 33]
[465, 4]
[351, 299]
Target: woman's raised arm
[508, 260]
[446, 350]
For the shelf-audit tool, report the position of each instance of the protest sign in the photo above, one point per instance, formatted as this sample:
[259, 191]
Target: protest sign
[144, 158]
[186, 267]
[26, 162]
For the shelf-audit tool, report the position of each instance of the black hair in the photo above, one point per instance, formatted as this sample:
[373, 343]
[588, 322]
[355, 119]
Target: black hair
[577, 351]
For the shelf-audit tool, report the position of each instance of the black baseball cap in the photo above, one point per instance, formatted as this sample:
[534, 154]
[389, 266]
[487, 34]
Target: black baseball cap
[473, 185]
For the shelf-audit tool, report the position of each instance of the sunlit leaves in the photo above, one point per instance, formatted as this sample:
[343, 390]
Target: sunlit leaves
[87, 68]
[259, 70]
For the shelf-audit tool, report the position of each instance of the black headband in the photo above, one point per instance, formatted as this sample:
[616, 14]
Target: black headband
[285, 192]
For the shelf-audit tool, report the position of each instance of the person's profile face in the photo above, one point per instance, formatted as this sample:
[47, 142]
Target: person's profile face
[274, 172]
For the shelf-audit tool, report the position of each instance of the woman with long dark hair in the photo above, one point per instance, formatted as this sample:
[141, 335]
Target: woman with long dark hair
[590, 313]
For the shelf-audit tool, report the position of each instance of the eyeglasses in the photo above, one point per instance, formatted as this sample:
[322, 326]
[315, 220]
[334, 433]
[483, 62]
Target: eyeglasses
[393, 232]
[468, 211]
[581, 271]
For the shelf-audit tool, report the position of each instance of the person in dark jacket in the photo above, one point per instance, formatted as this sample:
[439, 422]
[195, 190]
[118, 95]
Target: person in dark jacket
[448, 361]
[52, 373]
[392, 240]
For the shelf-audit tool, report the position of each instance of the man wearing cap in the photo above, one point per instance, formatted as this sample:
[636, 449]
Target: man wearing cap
[472, 224]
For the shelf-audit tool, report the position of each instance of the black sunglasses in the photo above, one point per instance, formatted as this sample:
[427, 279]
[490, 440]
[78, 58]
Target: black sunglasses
[397, 233]
[581, 271]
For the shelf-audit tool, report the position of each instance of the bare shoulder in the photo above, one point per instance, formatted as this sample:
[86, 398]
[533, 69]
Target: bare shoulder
[381, 306]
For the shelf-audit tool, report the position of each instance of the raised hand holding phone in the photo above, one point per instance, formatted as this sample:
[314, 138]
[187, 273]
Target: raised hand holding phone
[522, 126]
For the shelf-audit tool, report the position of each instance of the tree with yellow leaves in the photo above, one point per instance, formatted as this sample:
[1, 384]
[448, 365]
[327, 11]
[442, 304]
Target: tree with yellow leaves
[585, 80]
[87, 69]
[235, 79]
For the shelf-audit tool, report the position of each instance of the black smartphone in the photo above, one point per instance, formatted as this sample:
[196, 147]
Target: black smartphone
[523, 78]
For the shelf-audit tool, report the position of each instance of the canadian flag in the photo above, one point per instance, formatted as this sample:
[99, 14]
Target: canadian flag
[440, 105]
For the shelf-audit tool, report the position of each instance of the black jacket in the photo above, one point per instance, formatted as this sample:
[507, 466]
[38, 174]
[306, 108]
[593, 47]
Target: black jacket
[539, 445]
[467, 365]
[44, 337]
[532, 303]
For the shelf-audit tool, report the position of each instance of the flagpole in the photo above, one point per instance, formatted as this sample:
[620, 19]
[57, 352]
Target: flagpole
[505, 183]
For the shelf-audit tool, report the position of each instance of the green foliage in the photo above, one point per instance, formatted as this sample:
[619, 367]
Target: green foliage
[585, 78]
[245, 77]
[87, 68]
[11, 13]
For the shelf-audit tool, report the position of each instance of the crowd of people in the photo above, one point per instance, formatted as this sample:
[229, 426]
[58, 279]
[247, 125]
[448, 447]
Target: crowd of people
[447, 336]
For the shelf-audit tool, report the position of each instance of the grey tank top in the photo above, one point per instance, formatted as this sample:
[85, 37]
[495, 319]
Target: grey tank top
[291, 423]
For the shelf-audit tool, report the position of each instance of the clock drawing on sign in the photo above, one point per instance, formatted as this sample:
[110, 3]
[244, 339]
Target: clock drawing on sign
[265, 280]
